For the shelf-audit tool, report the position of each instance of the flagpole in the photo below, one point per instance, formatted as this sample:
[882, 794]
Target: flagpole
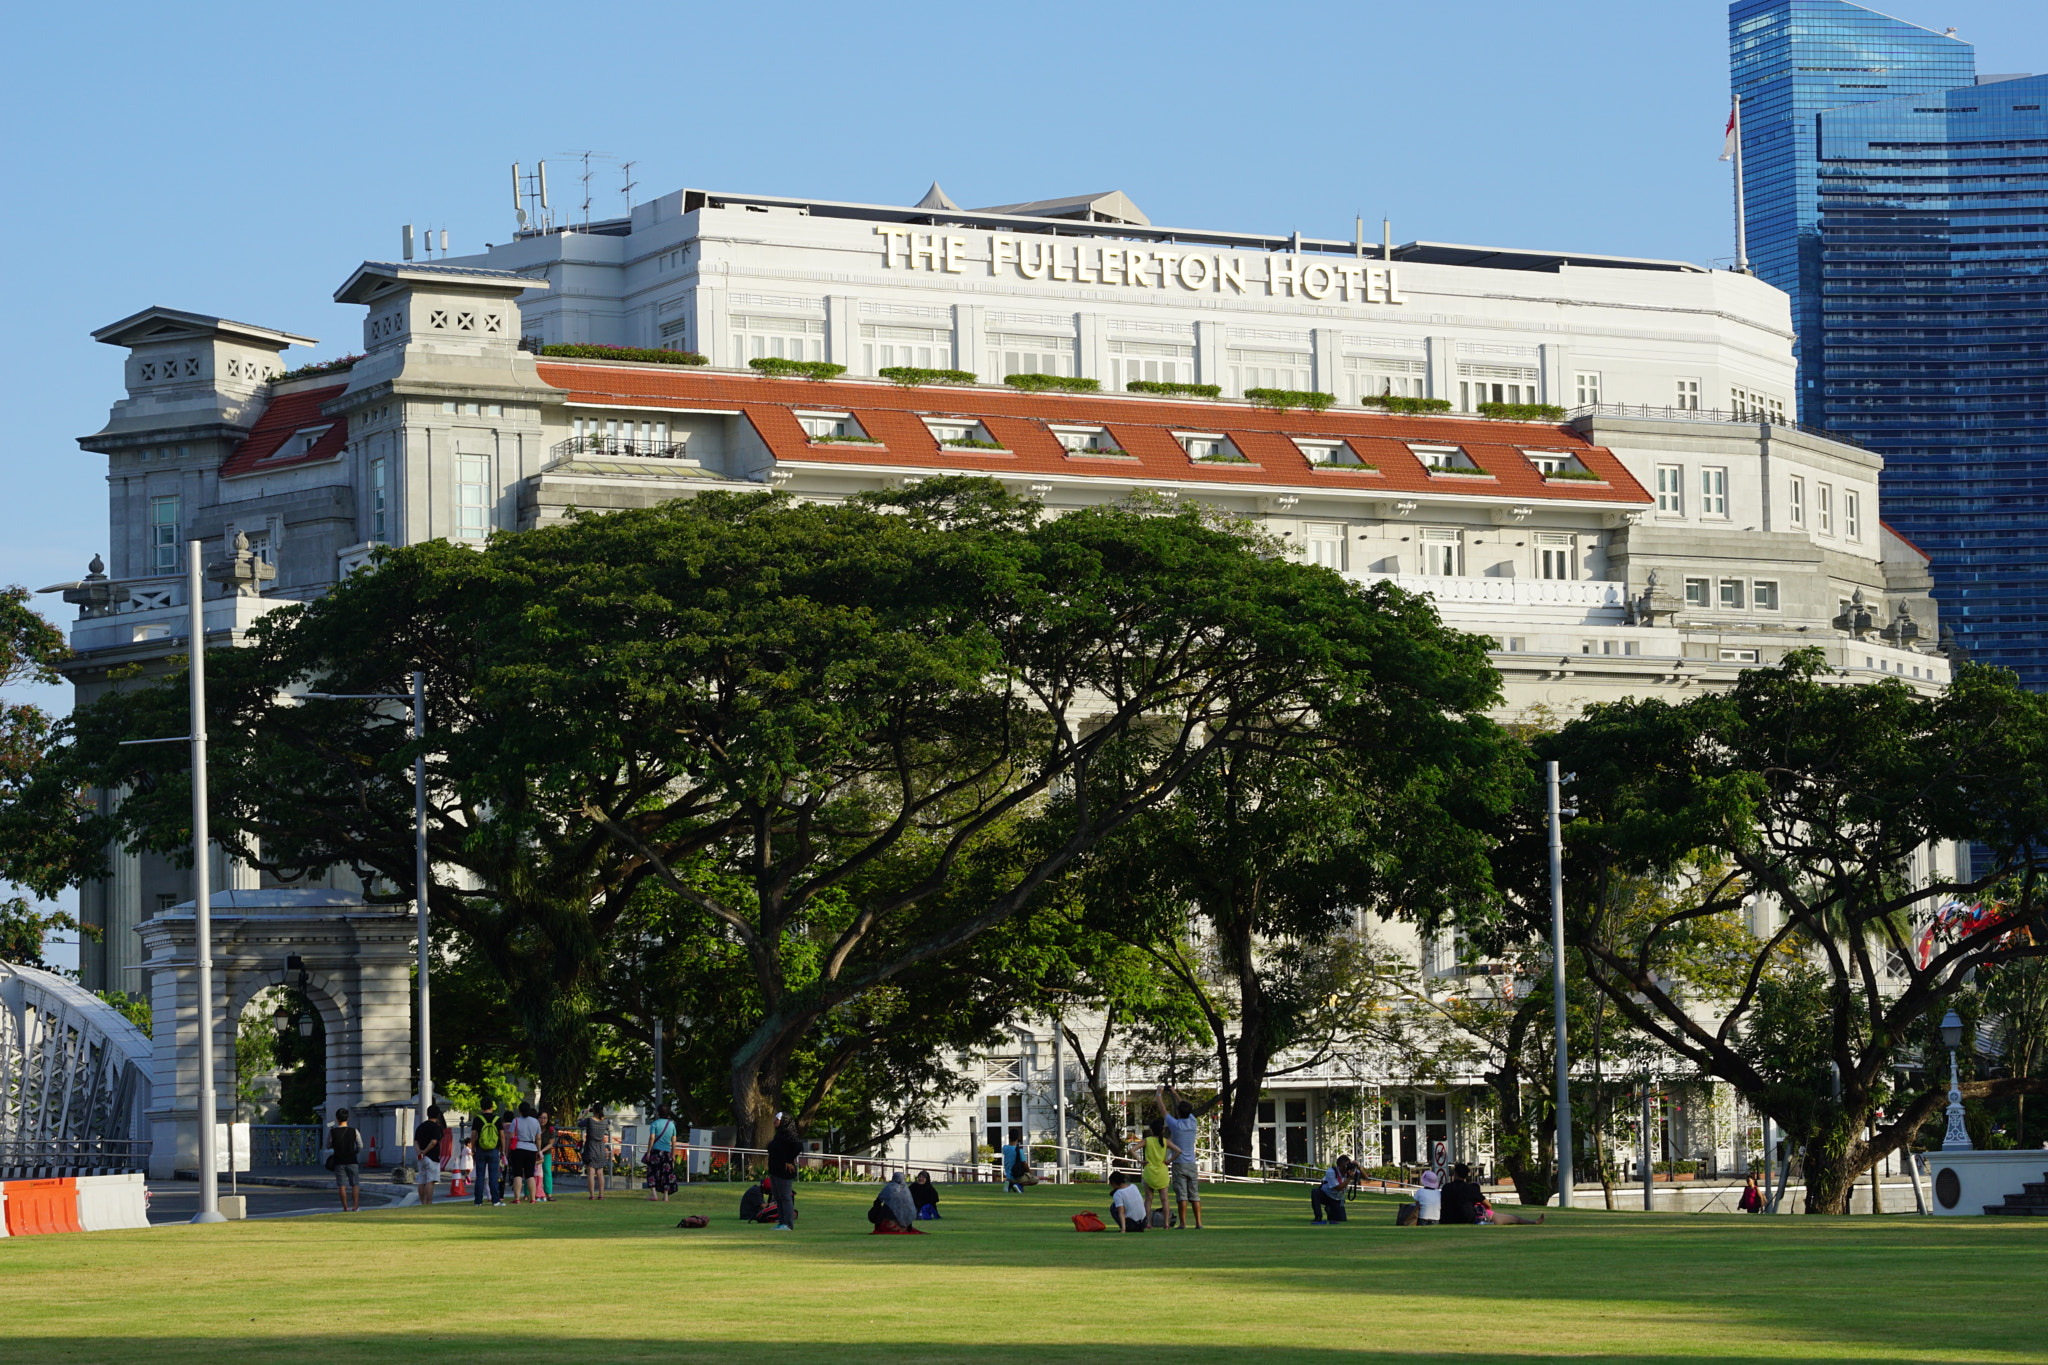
[1741, 218]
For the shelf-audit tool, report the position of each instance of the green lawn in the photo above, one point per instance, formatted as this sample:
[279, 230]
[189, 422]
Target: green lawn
[1005, 1279]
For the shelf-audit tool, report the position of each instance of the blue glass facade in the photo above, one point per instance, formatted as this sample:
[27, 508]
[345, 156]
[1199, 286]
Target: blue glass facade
[1788, 61]
[1905, 209]
[1934, 301]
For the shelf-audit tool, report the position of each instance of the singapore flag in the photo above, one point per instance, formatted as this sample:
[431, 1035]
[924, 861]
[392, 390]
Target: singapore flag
[1728, 142]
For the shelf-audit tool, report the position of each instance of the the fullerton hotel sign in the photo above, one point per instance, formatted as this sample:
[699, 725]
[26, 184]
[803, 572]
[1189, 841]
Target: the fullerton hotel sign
[1135, 267]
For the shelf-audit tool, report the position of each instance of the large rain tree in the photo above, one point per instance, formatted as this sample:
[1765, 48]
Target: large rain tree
[1825, 802]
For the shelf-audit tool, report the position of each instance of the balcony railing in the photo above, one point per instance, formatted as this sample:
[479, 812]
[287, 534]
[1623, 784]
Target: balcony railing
[619, 447]
[1515, 592]
[1751, 416]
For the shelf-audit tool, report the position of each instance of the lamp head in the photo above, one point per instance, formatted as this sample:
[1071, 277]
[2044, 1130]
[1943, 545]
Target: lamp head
[1952, 1029]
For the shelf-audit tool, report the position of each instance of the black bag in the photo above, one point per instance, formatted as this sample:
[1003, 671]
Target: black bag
[1408, 1216]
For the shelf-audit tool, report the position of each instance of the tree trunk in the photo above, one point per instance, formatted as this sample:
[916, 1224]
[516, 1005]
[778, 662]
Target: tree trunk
[1517, 1146]
[1254, 1056]
[1833, 1160]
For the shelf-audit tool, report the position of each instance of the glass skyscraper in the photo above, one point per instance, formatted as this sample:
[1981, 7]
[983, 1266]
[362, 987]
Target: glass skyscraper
[1904, 207]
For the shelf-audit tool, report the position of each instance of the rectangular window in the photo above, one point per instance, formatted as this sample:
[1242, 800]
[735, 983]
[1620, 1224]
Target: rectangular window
[1689, 395]
[1763, 593]
[1824, 506]
[472, 496]
[377, 492]
[1795, 504]
[1738, 656]
[1554, 556]
[1323, 543]
[1731, 594]
[163, 535]
[1440, 555]
[1696, 592]
[1586, 383]
[1713, 492]
[1671, 488]
[1852, 516]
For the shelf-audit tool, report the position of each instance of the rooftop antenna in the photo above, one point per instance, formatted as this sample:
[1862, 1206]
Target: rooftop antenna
[408, 241]
[626, 172]
[518, 210]
[444, 241]
[1387, 239]
[1359, 238]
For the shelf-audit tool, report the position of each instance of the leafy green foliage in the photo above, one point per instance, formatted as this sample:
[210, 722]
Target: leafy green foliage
[1171, 389]
[970, 443]
[1815, 798]
[25, 930]
[1581, 475]
[339, 365]
[1523, 412]
[133, 1008]
[1063, 383]
[1283, 399]
[643, 355]
[910, 377]
[1397, 403]
[803, 369]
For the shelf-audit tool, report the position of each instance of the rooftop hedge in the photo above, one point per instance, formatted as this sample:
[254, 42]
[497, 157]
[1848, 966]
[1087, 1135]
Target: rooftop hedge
[645, 355]
[910, 377]
[798, 369]
[1040, 383]
[1173, 390]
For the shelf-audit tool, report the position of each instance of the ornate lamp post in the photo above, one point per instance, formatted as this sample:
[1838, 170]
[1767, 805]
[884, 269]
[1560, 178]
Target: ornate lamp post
[1958, 1136]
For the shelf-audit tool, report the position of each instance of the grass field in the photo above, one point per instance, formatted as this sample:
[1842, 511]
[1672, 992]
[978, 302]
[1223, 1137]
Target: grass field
[1005, 1279]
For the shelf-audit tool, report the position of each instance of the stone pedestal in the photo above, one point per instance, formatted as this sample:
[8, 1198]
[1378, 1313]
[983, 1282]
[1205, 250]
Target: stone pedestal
[358, 962]
[1967, 1183]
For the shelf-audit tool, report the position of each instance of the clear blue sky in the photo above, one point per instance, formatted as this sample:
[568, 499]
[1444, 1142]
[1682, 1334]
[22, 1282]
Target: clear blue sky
[240, 159]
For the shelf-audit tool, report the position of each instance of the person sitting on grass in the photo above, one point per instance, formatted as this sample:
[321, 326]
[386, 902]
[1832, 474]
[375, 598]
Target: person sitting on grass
[896, 1194]
[925, 1195]
[1126, 1204]
[1465, 1202]
[757, 1205]
[886, 1223]
[1429, 1200]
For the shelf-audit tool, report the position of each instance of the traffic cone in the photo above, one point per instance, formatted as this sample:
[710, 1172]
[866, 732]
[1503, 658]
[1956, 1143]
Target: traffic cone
[461, 1185]
[370, 1161]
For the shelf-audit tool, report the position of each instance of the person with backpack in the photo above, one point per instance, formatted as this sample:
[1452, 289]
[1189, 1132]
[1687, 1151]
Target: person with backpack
[344, 1158]
[597, 1153]
[486, 1147]
[661, 1155]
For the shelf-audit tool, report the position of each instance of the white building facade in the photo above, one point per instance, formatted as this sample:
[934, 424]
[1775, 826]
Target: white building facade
[1670, 531]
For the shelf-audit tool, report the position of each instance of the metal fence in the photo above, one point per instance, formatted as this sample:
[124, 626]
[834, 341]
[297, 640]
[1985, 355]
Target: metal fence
[50, 1158]
[284, 1144]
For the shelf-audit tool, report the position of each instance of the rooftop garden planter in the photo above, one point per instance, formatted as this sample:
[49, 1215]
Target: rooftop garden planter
[1169, 390]
[1575, 475]
[1280, 400]
[910, 377]
[1523, 412]
[970, 443]
[1459, 471]
[1394, 403]
[1043, 383]
[644, 355]
[844, 441]
[342, 365]
[799, 369]
[1221, 459]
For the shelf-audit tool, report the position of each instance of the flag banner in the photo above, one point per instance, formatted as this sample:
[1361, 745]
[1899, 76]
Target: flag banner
[1728, 138]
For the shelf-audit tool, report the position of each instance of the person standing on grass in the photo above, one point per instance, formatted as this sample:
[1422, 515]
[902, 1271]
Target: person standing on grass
[597, 1153]
[661, 1155]
[1752, 1200]
[487, 1148]
[1159, 1155]
[1326, 1201]
[344, 1158]
[426, 1142]
[546, 1155]
[525, 1151]
[783, 1151]
[1182, 1131]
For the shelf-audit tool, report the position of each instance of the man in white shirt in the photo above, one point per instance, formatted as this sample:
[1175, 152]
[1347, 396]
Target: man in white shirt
[1126, 1204]
[1182, 1131]
[1327, 1199]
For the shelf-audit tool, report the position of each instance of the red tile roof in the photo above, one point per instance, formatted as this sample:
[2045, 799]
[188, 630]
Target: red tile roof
[283, 418]
[1144, 427]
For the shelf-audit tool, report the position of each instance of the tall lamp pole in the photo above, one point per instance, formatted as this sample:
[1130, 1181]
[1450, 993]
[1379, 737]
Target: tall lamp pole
[1564, 1084]
[418, 700]
[202, 893]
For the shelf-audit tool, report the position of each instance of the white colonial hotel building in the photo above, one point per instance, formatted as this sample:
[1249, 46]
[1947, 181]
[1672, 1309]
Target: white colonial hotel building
[1673, 530]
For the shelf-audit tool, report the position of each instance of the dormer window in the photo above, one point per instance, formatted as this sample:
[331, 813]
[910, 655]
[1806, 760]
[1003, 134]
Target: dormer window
[1446, 459]
[961, 434]
[827, 427]
[1210, 448]
[1560, 464]
[1329, 453]
[301, 441]
[1087, 440]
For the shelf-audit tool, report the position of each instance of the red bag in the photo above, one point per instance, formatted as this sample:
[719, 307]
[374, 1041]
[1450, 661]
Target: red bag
[694, 1220]
[1088, 1222]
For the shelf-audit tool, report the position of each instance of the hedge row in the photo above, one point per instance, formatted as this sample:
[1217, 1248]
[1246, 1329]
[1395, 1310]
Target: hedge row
[644, 354]
[1040, 383]
[910, 377]
[1523, 412]
[1172, 390]
[804, 369]
[1283, 399]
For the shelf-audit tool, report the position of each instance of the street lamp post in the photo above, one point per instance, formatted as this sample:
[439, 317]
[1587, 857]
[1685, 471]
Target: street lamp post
[1957, 1139]
[1564, 1084]
[418, 700]
[202, 896]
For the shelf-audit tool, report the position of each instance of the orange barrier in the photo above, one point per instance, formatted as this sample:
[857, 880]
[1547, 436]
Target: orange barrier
[39, 1206]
